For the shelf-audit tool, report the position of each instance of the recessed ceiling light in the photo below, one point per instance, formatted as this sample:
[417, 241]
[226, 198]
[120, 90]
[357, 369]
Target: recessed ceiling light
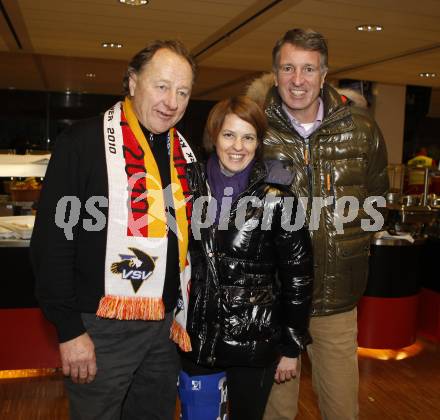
[134, 2]
[427, 75]
[91, 75]
[369, 28]
[111, 45]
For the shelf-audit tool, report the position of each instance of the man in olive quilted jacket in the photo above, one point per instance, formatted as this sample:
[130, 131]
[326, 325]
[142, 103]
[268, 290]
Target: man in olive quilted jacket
[338, 158]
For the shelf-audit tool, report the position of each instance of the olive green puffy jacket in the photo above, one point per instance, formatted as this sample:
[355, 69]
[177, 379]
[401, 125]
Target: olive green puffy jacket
[345, 156]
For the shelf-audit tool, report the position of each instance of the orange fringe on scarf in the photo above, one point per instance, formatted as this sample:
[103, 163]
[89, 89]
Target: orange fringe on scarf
[129, 308]
[180, 336]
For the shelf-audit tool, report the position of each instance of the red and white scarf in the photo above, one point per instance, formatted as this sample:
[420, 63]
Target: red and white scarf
[137, 232]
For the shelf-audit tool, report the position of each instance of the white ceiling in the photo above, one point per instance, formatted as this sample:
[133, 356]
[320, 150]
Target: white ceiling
[52, 44]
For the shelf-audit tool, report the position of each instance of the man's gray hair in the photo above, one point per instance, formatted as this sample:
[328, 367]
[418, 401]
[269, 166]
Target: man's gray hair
[306, 39]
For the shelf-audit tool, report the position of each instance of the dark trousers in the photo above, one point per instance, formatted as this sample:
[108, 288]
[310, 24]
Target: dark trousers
[248, 391]
[248, 388]
[137, 372]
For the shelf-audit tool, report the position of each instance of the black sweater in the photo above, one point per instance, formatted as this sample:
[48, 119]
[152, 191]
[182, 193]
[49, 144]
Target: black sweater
[70, 273]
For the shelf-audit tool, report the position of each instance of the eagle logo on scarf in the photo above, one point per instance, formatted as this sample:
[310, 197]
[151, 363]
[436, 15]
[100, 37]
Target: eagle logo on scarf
[136, 267]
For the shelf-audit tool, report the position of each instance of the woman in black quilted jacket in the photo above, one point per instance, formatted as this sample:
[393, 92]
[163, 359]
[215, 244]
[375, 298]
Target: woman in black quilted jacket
[251, 282]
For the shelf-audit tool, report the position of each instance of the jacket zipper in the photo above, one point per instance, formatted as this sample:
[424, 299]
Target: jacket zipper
[330, 183]
[212, 255]
[309, 169]
[213, 229]
[213, 258]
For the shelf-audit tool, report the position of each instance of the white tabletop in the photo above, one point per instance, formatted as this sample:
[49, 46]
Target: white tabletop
[23, 165]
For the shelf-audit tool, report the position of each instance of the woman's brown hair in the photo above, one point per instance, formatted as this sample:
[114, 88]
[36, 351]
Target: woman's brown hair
[244, 108]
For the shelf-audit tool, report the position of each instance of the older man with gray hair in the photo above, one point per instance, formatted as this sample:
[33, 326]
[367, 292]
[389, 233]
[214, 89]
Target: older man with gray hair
[112, 288]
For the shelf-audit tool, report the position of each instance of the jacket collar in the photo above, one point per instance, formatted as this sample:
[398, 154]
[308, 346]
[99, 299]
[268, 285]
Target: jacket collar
[334, 111]
[258, 173]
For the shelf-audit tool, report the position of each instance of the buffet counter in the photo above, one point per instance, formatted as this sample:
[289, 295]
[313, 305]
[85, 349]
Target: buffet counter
[28, 340]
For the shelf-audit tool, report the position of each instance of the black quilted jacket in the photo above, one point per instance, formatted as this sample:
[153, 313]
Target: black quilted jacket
[250, 288]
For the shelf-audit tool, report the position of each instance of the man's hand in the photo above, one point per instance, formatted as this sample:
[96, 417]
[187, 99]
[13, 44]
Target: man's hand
[286, 369]
[78, 359]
